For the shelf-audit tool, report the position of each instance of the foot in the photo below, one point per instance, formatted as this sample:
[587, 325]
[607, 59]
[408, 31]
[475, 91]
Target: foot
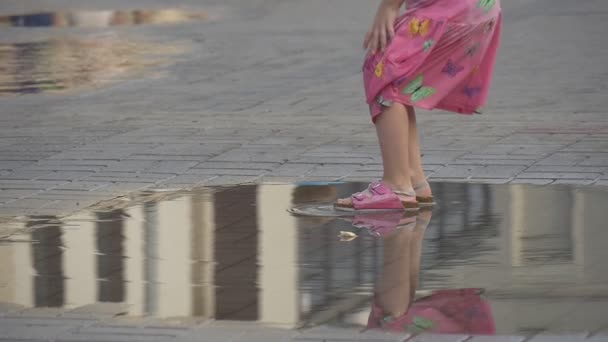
[422, 188]
[405, 195]
[424, 193]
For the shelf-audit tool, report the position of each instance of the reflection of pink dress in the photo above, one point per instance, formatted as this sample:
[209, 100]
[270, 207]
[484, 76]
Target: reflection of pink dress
[457, 311]
[441, 57]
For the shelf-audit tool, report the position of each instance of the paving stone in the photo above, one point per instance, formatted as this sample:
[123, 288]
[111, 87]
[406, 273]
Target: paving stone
[290, 169]
[231, 180]
[439, 338]
[332, 160]
[28, 185]
[597, 159]
[25, 175]
[330, 170]
[66, 168]
[572, 169]
[498, 156]
[186, 180]
[341, 334]
[130, 165]
[493, 171]
[271, 335]
[588, 146]
[563, 159]
[237, 165]
[488, 180]
[11, 165]
[175, 157]
[455, 171]
[497, 339]
[574, 181]
[226, 172]
[17, 193]
[492, 162]
[172, 167]
[65, 175]
[92, 155]
[278, 179]
[558, 175]
[103, 333]
[558, 338]
[366, 174]
[81, 185]
[28, 203]
[531, 181]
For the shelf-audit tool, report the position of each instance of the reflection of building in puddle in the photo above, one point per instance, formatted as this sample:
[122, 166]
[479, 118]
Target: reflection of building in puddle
[64, 64]
[102, 18]
[236, 254]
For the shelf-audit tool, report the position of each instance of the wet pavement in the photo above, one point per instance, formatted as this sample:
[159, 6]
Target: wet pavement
[68, 64]
[104, 18]
[69, 59]
[488, 259]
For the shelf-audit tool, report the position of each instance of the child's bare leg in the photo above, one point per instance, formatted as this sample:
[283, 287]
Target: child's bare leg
[393, 131]
[393, 289]
[415, 158]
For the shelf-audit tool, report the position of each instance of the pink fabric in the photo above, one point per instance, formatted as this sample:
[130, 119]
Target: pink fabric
[382, 224]
[380, 196]
[442, 56]
[452, 311]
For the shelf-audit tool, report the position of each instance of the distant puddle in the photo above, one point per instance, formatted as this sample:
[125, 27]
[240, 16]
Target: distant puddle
[488, 260]
[102, 18]
[66, 64]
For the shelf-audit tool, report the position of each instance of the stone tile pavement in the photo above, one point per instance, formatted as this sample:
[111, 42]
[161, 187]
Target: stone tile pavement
[276, 98]
[97, 323]
[270, 92]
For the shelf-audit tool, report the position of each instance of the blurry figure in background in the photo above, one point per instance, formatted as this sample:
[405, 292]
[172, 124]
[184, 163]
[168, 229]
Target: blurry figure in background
[395, 307]
[438, 54]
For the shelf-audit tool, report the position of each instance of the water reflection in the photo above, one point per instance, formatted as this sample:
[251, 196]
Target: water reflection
[62, 64]
[536, 254]
[396, 306]
[102, 18]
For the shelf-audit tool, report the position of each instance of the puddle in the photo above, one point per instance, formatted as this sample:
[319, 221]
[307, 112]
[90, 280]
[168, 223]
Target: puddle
[102, 18]
[487, 260]
[68, 64]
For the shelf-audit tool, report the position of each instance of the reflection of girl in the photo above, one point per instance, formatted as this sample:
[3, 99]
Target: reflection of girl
[444, 311]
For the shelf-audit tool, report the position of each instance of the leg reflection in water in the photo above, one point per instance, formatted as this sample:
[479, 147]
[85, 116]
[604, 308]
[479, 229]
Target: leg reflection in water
[396, 307]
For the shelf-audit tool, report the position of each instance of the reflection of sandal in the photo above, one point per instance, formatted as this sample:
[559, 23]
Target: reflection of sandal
[424, 201]
[378, 197]
[382, 224]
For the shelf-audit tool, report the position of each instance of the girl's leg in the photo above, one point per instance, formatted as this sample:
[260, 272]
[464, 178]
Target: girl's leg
[415, 158]
[393, 131]
[393, 288]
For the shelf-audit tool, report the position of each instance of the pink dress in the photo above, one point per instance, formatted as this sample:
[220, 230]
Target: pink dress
[442, 56]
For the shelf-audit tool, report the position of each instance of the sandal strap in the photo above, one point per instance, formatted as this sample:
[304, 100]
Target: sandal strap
[421, 185]
[405, 193]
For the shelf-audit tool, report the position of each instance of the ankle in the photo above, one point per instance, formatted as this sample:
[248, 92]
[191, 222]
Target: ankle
[418, 178]
[404, 186]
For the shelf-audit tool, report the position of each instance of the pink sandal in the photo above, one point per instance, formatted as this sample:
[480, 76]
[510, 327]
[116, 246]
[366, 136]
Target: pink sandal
[378, 197]
[382, 224]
